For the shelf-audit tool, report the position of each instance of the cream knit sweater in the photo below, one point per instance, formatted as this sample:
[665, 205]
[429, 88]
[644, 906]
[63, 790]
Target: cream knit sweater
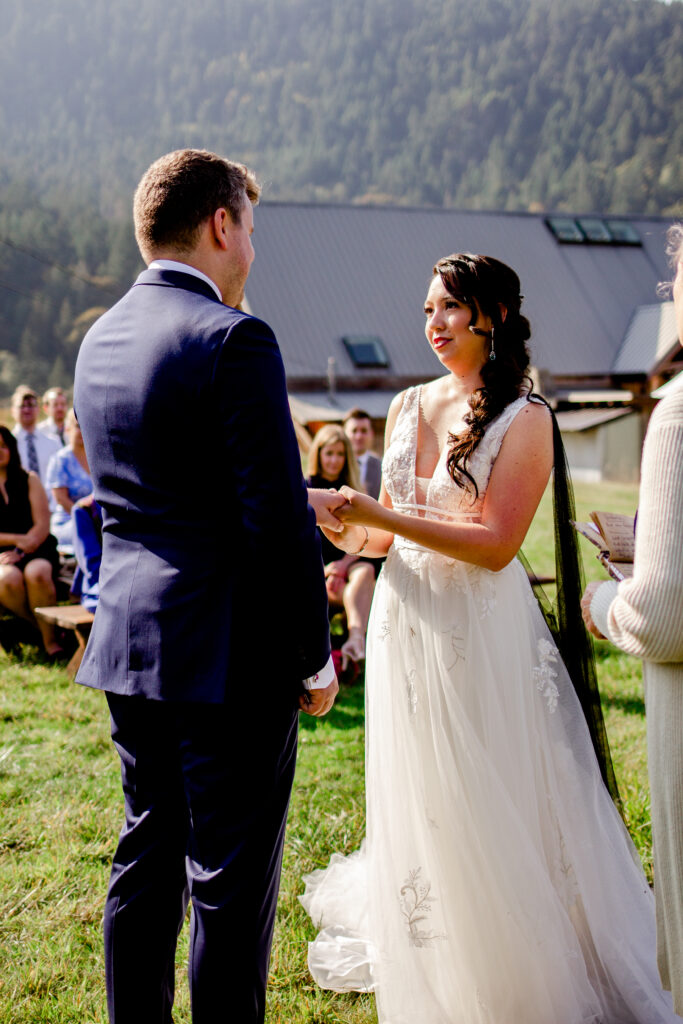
[644, 616]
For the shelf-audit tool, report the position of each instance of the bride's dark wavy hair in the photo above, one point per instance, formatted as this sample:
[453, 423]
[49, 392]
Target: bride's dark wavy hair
[487, 286]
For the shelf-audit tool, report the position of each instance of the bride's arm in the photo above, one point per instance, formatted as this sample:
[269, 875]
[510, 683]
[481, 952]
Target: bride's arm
[518, 479]
[379, 540]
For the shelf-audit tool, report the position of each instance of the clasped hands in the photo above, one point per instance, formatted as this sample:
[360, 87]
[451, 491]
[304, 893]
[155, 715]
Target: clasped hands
[336, 510]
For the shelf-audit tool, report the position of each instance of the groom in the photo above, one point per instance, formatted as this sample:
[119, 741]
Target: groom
[203, 674]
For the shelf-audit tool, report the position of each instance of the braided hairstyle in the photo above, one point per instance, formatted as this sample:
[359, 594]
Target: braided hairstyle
[484, 285]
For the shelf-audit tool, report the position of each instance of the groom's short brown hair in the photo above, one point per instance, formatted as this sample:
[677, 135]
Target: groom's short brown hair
[183, 189]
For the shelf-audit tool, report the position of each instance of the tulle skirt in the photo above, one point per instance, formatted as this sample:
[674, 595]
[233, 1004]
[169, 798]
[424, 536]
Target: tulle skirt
[497, 883]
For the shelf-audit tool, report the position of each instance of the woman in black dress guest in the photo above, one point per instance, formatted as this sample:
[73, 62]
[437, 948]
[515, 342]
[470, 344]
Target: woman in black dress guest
[28, 553]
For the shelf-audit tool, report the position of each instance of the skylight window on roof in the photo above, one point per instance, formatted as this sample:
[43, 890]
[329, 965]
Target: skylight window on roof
[623, 232]
[595, 230]
[565, 229]
[366, 350]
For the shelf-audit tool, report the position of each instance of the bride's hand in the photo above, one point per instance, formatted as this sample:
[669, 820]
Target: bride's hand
[347, 537]
[360, 508]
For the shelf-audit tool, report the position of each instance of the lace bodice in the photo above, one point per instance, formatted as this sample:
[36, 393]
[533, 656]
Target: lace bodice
[444, 498]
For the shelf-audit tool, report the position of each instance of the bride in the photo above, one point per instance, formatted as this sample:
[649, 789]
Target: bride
[497, 883]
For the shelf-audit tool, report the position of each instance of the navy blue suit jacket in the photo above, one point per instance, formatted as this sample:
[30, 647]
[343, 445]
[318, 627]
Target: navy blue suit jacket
[183, 407]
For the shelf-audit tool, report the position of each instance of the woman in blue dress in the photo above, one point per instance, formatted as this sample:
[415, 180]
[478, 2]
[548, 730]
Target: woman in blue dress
[68, 476]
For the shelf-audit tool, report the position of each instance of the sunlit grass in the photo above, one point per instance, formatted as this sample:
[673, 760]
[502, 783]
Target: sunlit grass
[61, 811]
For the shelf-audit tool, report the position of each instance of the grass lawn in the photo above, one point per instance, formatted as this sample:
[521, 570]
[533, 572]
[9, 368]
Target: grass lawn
[61, 811]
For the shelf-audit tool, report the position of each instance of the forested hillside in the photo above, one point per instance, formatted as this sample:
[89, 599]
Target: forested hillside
[494, 103]
[513, 104]
[61, 266]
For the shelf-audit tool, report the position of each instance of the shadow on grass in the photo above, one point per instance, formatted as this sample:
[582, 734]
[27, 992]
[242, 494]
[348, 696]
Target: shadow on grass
[629, 705]
[20, 641]
[28, 655]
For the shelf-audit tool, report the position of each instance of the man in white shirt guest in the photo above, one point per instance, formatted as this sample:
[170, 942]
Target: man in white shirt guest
[358, 429]
[54, 406]
[35, 449]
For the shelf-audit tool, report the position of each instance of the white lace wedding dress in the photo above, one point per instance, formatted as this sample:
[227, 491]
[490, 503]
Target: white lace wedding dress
[497, 883]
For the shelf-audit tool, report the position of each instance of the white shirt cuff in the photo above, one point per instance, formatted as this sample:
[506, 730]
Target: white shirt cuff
[601, 603]
[322, 678]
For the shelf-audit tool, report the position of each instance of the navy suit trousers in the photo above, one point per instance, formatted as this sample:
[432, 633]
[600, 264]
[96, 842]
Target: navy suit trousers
[206, 793]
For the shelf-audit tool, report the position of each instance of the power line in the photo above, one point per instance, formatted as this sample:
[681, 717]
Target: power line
[28, 295]
[58, 266]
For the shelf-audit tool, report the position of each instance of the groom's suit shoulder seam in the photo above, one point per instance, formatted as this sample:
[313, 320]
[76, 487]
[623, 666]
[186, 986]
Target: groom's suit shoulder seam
[252, 326]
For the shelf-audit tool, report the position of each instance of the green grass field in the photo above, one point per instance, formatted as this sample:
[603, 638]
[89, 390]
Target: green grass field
[61, 811]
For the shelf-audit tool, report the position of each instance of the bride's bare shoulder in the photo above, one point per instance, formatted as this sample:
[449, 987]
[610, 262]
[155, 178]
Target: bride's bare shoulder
[394, 409]
[393, 414]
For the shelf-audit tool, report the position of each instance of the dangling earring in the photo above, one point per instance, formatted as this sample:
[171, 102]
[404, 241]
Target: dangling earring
[492, 353]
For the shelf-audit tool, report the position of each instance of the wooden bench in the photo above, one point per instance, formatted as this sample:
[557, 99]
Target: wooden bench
[72, 617]
[538, 580]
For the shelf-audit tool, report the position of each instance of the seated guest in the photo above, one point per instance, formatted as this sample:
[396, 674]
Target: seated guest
[359, 430]
[87, 540]
[68, 476]
[54, 407]
[28, 554]
[35, 449]
[350, 580]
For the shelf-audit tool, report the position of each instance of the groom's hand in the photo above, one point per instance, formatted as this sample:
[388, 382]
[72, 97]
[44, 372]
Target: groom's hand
[324, 504]
[319, 702]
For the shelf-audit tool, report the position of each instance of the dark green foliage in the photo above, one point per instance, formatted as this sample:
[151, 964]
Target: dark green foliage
[499, 103]
[511, 104]
[61, 265]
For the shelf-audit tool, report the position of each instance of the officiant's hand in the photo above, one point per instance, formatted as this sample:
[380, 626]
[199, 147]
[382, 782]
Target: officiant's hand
[324, 504]
[319, 702]
[586, 609]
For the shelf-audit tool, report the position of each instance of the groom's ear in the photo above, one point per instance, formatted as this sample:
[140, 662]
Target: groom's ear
[221, 224]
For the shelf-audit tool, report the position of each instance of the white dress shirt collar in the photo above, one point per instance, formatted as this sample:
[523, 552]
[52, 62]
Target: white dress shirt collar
[184, 268]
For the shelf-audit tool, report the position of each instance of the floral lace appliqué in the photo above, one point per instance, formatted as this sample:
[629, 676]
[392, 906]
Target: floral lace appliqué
[457, 644]
[567, 885]
[545, 675]
[415, 901]
[411, 690]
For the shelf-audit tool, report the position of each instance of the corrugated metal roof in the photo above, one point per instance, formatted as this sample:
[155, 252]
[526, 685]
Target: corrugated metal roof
[322, 272]
[320, 405]
[650, 337]
[571, 421]
[594, 395]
